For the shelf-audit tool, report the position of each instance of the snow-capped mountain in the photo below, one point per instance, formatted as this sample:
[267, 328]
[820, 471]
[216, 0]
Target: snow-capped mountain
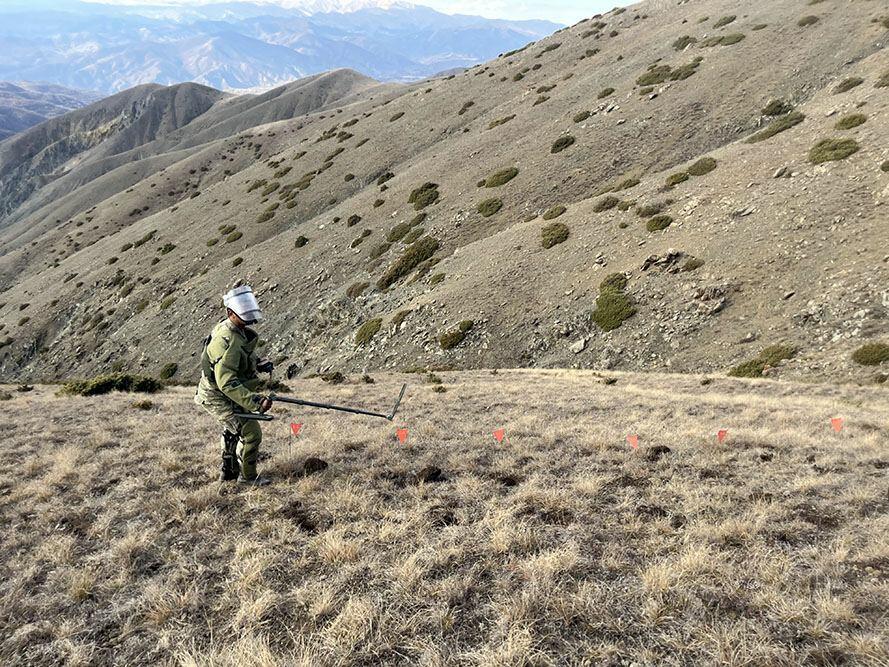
[242, 45]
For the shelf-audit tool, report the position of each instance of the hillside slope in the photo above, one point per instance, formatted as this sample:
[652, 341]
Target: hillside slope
[763, 243]
[24, 104]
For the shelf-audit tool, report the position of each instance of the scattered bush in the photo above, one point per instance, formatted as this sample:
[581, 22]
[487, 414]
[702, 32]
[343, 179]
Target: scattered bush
[424, 196]
[692, 264]
[582, 116]
[237, 261]
[357, 289]
[398, 232]
[724, 21]
[553, 234]
[605, 92]
[650, 210]
[724, 40]
[848, 84]
[265, 216]
[613, 306]
[168, 370]
[143, 404]
[360, 238]
[396, 116]
[703, 166]
[300, 241]
[770, 356]
[831, 150]
[466, 106]
[851, 121]
[562, 143]
[659, 223]
[452, 339]
[554, 212]
[489, 207]
[606, 204]
[501, 121]
[418, 252]
[883, 81]
[655, 75]
[104, 384]
[501, 177]
[413, 235]
[777, 126]
[806, 21]
[684, 42]
[777, 108]
[871, 354]
[234, 236]
[367, 331]
[885, 166]
[167, 302]
[353, 220]
[379, 202]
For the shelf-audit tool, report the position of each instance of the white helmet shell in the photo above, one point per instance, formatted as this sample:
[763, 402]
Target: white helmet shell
[242, 301]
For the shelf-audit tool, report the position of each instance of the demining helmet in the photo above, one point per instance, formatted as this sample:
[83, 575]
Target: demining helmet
[242, 302]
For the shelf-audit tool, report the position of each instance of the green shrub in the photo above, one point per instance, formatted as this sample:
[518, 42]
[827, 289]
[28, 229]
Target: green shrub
[724, 21]
[300, 241]
[104, 384]
[692, 264]
[167, 302]
[24, 321]
[353, 220]
[379, 250]
[561, 144]
[684, 42]
[398, 232]
[703, 166]
[265, 216]
[651, 210]
[501, 121]
[226, 229]
[656, 74]
[659, 223]
[851, 121]
[424, 196]
[234, 236]
[777, 126]
[606, 204]
[125, 247]
[437, 278]
[367, 331]
[553, 234]
[540, 100]
[554, 212]
[883, 81]
[501, 177]
[605, 92]
[871, 354]
[613, 306]
[885, 166]
[418, 252]
[807, 21]
[168, 370]
[357, 241]
[398, 318]
[831, 150]
[356, 289]
[582, 116]
[777, 108]
[489, 207]
[452, 339]
[848, 84]
[237, 261]
[396, 116]
[413, 235]
[626, 184]
[466, 106]
[770, 356]
[626, 204]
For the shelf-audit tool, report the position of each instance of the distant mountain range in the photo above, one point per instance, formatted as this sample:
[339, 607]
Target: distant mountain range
[242, 45]
[23, 105]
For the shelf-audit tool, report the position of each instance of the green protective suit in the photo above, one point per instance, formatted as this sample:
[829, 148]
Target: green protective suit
[228, 385]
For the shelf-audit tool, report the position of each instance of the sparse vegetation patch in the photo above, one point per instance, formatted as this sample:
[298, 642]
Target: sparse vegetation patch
[871, 354]
[769, 357]
[777, 126]
[832, 150]
[553, 234]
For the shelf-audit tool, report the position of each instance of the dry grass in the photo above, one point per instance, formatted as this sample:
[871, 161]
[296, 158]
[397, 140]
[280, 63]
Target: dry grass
[560, 546]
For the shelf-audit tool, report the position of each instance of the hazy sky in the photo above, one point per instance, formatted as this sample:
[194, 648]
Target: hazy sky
[561, 11]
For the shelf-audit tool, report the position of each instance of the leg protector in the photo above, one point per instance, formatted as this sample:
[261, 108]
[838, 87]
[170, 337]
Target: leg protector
[248, 452]
[230, 468]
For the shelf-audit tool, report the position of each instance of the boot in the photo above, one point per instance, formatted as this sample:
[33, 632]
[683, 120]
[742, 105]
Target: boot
[230, 469]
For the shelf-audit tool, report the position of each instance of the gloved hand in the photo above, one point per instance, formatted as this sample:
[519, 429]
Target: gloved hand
[265, 366]
[265, 405]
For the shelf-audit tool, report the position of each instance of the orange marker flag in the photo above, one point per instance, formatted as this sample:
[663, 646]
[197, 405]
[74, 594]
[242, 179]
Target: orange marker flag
[837, 423]
[402, 435]
[499, 434]
[720, 435]
[294, 428]
[633, 440]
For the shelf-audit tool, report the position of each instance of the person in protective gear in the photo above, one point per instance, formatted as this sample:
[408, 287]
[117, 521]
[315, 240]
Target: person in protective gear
[228, 384]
